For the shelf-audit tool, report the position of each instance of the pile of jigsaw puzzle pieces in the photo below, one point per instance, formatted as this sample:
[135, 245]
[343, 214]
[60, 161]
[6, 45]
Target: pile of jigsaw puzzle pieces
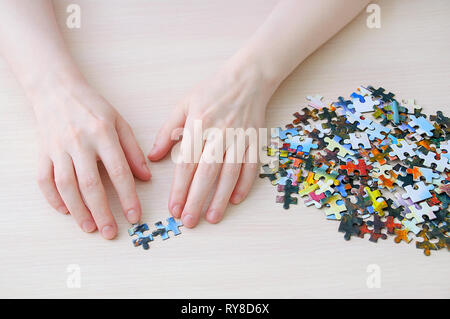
[378, 166]
[145, 236]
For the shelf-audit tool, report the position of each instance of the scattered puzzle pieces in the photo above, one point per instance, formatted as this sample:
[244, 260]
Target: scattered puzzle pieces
[143, 238]
[378, 166]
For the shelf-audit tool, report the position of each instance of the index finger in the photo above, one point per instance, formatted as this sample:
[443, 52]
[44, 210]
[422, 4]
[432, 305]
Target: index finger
[120, 174]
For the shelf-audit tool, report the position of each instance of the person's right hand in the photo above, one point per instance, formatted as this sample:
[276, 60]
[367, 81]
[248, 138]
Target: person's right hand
[78, 128]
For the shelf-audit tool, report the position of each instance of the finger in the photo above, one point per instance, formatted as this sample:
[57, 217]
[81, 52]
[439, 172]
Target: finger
[164, 142]
[66, 184]
[46, 182]
[227, 181]
[94, 195]
[133, 153]
[120, 174]
[246, 179]
[203, 181]
[184, 172]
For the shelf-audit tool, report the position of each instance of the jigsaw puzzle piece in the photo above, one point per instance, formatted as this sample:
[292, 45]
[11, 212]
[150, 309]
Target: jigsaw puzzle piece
[334, 144]
[424, 127]
[142, 240]
[365, 106]
[430, 160]
[426, 245]
[335, 206]
[411, 226]
[403, 148]
[376, 130]
[357, 141]
[418, 192]
[402, 235]
[138, 229]
[315, 101]
[350, 225]
[425, 210]
[378, 203]
[172, 225]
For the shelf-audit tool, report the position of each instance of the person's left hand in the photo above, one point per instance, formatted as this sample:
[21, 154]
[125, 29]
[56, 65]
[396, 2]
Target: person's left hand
[236, 97]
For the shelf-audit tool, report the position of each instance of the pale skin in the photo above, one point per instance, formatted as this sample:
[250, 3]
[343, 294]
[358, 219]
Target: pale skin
[237, 96]
[78, 127]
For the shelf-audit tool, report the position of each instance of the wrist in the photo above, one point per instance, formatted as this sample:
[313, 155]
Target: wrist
[57, 91]
[246, 69]
[250, 59]
[41, 85]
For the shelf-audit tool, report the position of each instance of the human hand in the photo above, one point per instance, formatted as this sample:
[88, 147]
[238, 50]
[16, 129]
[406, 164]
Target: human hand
[236, 97]
[78, 128]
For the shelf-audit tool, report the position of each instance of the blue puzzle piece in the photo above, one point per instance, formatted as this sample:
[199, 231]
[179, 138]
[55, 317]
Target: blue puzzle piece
[344, 104]
[375, 131]
[445, 147]
[295, 142]
[355, 95]
[284, 134]
[171, 226]
[418, 192]
[394, 109]
[341, 187]
[428, 174]
[423, 125]
[143, 241]
[138, 229]
[307, 145]
[161, 231]
[406, 127]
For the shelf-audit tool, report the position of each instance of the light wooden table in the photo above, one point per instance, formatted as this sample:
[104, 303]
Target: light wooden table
[144, 56]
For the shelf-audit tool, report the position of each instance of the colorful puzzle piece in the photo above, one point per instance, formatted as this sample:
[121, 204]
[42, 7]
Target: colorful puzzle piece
[353, 154]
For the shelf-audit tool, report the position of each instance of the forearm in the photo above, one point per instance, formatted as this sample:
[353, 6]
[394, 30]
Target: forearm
[32, 44]
[294, 30]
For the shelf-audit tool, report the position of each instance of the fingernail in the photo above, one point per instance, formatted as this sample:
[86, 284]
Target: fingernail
[153, 150]
[188, 220]
[236, 198]
[176, 211]
[63, 210]
[213, 216]
[108, 232]
[145, 167]
[132, 216]
[88, 226]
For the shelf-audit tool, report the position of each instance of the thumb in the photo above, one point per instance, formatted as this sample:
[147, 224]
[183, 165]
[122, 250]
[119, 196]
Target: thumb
[164, 142]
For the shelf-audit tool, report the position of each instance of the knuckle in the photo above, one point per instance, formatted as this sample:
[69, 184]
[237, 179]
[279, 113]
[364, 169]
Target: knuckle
[89, 182]
[205, 118]
[229, 122]
[53, 199]
[119, 171]
[43, 179]
[208, 171]
[74, 134]
[186, 166]
[231, 169]
[127, 126]
[63, 180]
[102, 126]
